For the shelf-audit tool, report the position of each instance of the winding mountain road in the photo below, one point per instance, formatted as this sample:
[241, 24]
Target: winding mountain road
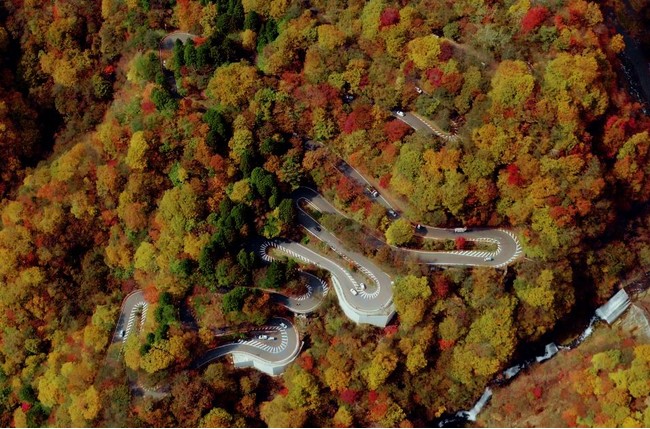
[133, 305]
[273, 347]
[168, 42]
[270, 349]
[419, 123]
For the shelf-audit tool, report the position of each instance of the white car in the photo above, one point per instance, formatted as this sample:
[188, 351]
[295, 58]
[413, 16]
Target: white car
[418, 90]
[283, 325]
[489, 258]
[263, 337]
[372, 191]
[362, 286]
[463, 229]
[354, 292]
[400, 113]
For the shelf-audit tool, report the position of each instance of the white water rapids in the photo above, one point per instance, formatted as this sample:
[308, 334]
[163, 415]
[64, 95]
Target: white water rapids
[608, 312]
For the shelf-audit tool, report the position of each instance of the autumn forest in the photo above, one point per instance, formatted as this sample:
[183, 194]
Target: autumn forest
[134, 159]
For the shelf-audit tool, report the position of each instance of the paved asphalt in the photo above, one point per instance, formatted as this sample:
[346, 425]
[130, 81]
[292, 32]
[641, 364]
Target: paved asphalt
[306, 303]
[376, 297]
[167, 43]
[412, 121]
[283, 348]
[133, 312]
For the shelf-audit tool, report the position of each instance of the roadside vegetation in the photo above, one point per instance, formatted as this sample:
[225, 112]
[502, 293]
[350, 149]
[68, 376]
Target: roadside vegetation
[119, 173]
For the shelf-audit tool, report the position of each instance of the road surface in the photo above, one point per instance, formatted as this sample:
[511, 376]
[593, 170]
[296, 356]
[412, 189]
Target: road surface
[168, 42]
[133, 312]
[280, 350]
[508, 247]
[316, 290]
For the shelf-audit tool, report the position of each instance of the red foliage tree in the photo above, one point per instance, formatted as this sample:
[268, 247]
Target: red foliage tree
[445, 344]
[533, 19]
[345, 189]
[514, 176]
[389, 16]
[390, 330]
[452, 82]
[460, 243]
[384, 180]
[360, 118]
[408, 67]
[395, 130]
[441, 286]
[435, 76]
[446, 51]
[349, 396]
[306, 362]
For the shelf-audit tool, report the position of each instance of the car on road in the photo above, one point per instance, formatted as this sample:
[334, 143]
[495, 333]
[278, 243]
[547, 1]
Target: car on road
[418, 90]
[488, 258]
[283, 325]
[372, 191]
[362, 286]
[463, 229]
[272, 338]
[400, 113]
[318, 228]
[419, 227]
[263, 337]
[392, 213]
[354, 292]
[122, 333]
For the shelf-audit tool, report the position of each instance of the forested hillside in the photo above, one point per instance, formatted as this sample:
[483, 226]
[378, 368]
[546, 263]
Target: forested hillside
[127, 165]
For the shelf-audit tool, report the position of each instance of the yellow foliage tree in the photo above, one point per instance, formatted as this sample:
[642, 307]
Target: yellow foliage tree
[132, 352]
[158, 358]
[330, 37]
[216, 418]
[399, 232]
[617, 44]
[233, 84]
[410, 296]
[135, 157]
[512, 84]
[145, 257]
[382, 365]
[84, 407]
[240, 191]
[248, 39]
[424, 51]
[343, 417]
